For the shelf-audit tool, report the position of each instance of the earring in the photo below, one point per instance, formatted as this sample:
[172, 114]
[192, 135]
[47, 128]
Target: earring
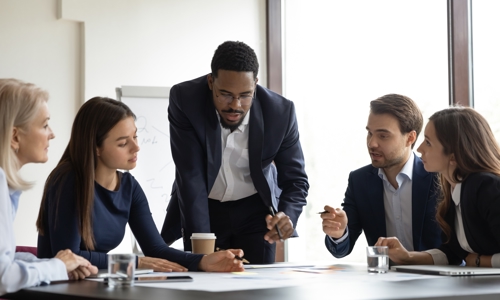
[16, 150]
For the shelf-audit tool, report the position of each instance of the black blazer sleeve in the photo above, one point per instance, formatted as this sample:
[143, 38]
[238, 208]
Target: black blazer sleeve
[292, 178]
[189, 157]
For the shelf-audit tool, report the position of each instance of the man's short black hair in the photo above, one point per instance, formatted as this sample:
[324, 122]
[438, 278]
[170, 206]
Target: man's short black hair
[235, 56]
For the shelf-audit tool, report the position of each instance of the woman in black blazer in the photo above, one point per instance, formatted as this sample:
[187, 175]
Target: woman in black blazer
[461, 147]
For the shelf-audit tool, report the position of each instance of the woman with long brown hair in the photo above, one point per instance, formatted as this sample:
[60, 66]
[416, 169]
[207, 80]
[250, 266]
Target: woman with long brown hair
[87, 202]
[24, 138]
[461, 147]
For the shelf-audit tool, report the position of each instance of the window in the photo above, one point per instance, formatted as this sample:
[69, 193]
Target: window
[485, 25]
[340, 55]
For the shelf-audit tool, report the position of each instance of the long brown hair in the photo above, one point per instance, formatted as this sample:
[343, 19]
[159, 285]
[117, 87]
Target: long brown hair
[462, 131]
[91, 126]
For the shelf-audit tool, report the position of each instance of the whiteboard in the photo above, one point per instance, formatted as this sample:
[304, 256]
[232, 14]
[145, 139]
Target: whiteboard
[155, 169]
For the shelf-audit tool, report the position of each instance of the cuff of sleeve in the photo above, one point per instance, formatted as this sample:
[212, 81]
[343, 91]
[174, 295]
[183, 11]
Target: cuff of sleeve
[341, 239]
[56, 271]
[438, 256]
[495, 260]
[59, 269]
[193, 266]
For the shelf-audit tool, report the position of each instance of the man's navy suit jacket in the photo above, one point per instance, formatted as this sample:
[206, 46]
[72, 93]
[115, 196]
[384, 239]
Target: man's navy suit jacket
[364, 207]
[195, 138]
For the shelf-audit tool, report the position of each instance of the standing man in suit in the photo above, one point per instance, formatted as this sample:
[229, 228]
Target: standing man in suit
[237, 154]
[394, 196]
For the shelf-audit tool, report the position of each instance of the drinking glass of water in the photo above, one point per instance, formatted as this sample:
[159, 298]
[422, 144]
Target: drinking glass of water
[378, 259]
[121, 269]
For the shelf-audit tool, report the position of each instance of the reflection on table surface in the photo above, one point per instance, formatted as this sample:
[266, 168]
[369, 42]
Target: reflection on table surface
[300, 281]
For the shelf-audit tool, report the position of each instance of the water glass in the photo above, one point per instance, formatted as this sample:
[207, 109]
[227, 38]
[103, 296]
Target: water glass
[378, 259]
[121, 269]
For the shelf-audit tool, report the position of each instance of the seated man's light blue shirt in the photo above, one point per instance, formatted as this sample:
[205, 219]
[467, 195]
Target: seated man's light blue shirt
[398, 203]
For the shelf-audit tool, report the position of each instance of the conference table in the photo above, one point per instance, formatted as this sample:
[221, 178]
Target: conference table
[338, 281]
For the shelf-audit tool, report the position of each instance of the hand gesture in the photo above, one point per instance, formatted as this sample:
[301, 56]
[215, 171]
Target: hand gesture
[334, 222]
[222, 261]
[159, 265]
[76, 266]
[285, 226]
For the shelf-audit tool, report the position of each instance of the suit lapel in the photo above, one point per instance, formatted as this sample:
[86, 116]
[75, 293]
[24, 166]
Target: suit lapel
[255, 146]
[376, 198]
[212, 142]
[419, 196]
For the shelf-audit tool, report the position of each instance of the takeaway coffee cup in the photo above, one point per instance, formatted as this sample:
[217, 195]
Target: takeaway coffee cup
[203, 243]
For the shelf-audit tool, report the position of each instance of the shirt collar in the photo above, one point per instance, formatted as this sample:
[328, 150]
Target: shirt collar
[14, 199]
[455, 195]
[246, 119]
[407, 170]
[408, 167]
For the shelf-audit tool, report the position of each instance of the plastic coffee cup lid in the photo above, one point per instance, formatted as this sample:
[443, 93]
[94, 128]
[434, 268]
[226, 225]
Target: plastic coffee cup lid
[199, 236]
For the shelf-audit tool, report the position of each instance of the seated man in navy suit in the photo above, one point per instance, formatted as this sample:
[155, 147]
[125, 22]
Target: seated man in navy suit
[394, 196]
[237, 155]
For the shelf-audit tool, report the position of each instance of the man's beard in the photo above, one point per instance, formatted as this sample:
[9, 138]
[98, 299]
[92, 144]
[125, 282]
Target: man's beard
[232, 127]
[388, 163]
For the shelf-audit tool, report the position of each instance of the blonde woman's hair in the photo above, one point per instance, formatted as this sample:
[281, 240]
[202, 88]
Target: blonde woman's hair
[19, 103]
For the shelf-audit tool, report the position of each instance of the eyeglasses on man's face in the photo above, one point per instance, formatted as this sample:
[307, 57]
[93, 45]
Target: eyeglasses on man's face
[224, 97]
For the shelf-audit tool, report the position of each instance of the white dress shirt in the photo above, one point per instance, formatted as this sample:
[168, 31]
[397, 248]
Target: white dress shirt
[234, 181]
[397, 204]
[20, 270]
[437, 255]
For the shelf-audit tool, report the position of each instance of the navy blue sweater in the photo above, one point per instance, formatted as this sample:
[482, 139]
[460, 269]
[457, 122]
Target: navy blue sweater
[111, 213]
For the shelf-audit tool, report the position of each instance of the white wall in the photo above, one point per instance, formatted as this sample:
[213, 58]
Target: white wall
[79, 49]
[160, 42]
[37, 48]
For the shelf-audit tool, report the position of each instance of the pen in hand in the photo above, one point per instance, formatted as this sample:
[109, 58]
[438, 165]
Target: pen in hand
[277, 228]
[243, 260]
[323, 212]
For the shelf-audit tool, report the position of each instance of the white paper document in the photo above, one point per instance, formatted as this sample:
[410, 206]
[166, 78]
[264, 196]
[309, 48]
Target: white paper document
[265, 278]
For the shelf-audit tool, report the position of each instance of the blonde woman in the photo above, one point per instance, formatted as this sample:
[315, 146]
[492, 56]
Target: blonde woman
[24, 138]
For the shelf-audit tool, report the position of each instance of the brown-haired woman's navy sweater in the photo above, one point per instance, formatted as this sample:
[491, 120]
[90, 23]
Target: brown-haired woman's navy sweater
[111, 212]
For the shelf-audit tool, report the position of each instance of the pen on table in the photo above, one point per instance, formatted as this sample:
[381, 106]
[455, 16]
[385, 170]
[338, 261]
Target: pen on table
[277, 229]
[243, 260]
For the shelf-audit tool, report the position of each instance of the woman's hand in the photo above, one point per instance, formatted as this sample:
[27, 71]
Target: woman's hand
[159, 265]
[484, 260]
[76, 266]
[222, 261]
[79, 273]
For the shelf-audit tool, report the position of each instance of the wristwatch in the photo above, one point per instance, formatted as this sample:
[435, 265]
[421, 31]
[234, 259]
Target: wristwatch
[478, 260]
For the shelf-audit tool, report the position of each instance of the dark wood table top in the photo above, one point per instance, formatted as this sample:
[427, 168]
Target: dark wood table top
[436, 287]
